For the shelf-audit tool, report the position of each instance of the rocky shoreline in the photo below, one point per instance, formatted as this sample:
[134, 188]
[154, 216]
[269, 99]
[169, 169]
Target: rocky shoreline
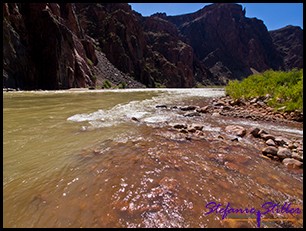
[288, 151]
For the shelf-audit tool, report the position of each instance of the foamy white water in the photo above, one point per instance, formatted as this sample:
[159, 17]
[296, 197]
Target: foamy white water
[144, 110]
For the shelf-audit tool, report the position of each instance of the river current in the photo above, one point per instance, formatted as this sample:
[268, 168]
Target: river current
[108, 159]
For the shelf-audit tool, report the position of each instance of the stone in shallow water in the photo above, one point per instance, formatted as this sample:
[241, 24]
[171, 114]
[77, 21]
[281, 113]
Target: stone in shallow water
[270, 142]
[203, 109]
[292, 163]
[188, 108]
[197, 126]
[281, 141]
[161, 106]
[270, 150]
[180, 126]
[297, 156]
[254, 132]
[236, 130]
[192, 114]
[283, 153]
[267, 136]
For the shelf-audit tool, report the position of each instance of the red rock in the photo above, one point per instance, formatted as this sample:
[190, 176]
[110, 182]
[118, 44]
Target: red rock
[283, 153]
[292, 163]
[255, 131]
[236, 130]
[270, 142]
[270, 150]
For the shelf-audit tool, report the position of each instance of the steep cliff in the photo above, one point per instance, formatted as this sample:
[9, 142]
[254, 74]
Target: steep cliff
[147, 48]
[289, 43]
[44, 47]
[64, 45]
[229, 44]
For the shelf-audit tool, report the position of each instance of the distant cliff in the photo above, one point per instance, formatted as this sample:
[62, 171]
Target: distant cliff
[289, 43]
[64, 45]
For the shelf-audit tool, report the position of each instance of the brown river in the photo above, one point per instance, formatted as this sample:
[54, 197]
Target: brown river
[78, 159]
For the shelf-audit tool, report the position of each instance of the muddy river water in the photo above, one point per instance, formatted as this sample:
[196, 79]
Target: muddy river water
[80, 159]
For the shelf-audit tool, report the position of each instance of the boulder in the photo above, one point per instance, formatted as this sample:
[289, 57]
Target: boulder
[203, 109]
[183, 131]
[192, 130]
[254, 132]
[267, 136]
[161, 106]
[283, 153]
[197, 126]
[192, 114]
[281, 141]
[188, 108]
[236, 130]
[215, 114]
[292, 163]
[135, 119]
[180, 126]
[270, 150]
[270, 142]
[297, 156]
[261, 132]
[219, 103]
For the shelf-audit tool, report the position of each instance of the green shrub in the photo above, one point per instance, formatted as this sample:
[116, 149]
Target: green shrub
[285, 88]
[106, 85]
[89, 62]
[159, 85]
[122, 85]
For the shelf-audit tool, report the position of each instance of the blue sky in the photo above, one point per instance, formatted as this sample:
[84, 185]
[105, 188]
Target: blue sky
[274, 15]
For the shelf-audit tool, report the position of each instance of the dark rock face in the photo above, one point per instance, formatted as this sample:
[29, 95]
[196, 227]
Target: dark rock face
[230, 45]
[147, 48]
[42, 47]
[289, 43]
[62, 45]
